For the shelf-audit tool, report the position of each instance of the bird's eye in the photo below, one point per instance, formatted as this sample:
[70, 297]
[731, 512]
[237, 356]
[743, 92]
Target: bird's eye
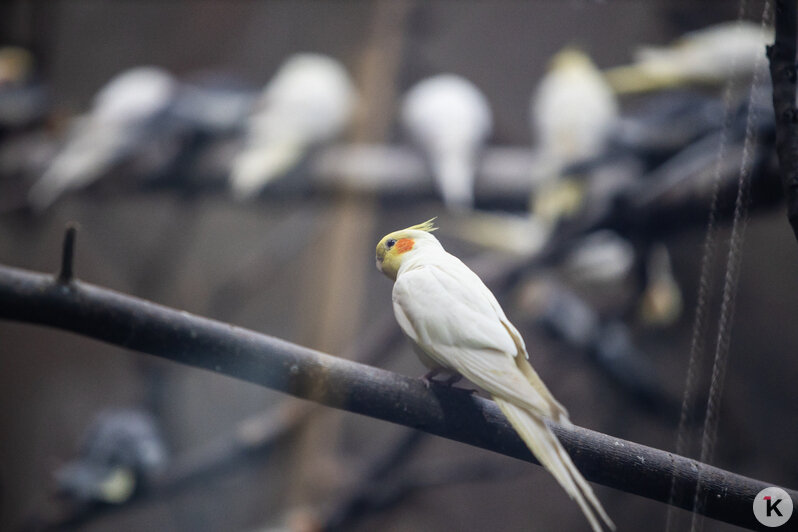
[390, 243]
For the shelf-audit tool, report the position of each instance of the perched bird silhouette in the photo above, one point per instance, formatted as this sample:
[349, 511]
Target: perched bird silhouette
[125, 115]
[573, 109]
[122, 449]
[450, 119]
[599, 257]
[310, 100]
[458, 326]
[710, 55]
[572, 113]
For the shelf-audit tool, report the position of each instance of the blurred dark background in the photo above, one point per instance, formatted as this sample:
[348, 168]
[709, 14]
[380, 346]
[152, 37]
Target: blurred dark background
[299, 266]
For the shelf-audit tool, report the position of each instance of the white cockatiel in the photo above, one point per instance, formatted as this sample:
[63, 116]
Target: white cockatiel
[450, 119]
[573, 109]
[125, 114]
[459, 326]
[310, 100]
[711, 55]
[572, 113]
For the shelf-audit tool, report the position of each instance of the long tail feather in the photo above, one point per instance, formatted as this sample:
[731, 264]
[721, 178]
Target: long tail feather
[558, 411]
[551, 454]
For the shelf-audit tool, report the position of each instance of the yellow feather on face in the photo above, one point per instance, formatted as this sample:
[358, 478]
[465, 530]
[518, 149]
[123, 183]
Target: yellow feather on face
[390, 257]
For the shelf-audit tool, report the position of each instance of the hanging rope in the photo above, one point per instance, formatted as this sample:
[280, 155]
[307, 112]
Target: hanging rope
[730, 284]
[706, 280]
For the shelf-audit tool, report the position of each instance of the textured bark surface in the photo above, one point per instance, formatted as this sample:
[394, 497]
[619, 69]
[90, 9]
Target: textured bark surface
[181, 337]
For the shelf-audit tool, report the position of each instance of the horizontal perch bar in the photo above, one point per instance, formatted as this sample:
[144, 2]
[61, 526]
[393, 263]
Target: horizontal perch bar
[179, 336]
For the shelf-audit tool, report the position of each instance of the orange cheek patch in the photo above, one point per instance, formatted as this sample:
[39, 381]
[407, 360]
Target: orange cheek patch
[404, 245]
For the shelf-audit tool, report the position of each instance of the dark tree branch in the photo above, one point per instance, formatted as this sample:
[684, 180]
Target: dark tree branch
[783, 75]
[135, 324]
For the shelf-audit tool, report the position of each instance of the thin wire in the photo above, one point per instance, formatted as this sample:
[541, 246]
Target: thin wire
[730, 284]
[706, 280]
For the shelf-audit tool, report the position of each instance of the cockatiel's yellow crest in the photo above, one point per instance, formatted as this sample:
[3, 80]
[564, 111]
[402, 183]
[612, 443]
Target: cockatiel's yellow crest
[459, 327]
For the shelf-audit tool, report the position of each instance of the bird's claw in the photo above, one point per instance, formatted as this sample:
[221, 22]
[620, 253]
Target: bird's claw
[451, 381]
[428, 379]
[428, 376]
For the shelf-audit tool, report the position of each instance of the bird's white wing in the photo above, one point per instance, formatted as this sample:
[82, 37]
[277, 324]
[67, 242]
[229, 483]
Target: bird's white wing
[448, 309]
[478, 295]
[457, 326]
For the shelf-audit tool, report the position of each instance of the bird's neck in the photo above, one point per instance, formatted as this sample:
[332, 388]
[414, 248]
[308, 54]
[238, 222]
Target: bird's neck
[420, 259]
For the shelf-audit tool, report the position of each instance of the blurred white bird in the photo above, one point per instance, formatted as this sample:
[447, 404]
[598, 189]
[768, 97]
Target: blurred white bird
[573, 109]
[600, 257]
[707, 56]
[572, 113]
[522, 236]
[310, 100]
[450, 119]
[125, 114]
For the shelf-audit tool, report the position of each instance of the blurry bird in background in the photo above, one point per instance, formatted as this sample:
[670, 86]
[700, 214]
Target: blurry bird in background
[600, 257]
[310, 100]
[122, 450]
[572, 112]
[519, 235]
[661, 301]
[126, 114]
[23, 100]
[25, 142]
[450, 119]
[573, 109]
[459, 327]
[710, 55]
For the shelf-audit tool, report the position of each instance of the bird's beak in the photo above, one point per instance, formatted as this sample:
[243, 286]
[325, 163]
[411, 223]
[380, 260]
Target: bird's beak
[379, 264]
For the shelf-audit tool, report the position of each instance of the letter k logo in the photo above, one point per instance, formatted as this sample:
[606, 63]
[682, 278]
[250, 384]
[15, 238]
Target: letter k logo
[772, 506]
